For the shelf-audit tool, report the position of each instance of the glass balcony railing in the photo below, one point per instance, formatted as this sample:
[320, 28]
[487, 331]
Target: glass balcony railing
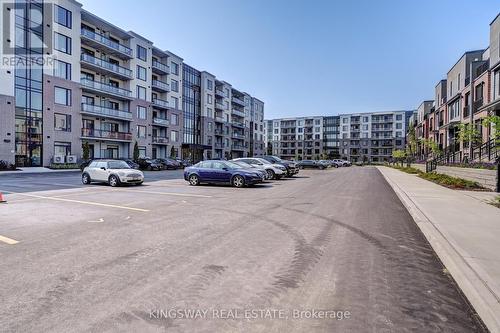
[219, 92]
[160, 139]
[103, 134]
[160, 121]
[105, 41]
[104, 111]
[160, 103]
[238, 112]
[219, 106]
[160, 85]
[105, 87]
[238, 101]
[161, 67]
[122, 71]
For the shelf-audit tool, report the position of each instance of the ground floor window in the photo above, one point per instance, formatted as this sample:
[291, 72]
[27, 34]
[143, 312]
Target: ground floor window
[62, 148]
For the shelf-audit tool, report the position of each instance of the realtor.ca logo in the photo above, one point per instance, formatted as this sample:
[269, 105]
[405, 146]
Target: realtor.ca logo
[23, 30]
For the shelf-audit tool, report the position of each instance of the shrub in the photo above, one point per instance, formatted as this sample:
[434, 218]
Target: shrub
[64, 166]
[473, 165]
[451, 182]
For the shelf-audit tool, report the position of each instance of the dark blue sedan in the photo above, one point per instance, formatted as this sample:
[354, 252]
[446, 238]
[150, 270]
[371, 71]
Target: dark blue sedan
[214, 171]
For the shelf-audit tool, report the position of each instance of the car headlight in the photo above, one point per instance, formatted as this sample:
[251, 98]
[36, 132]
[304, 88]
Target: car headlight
[121, 173]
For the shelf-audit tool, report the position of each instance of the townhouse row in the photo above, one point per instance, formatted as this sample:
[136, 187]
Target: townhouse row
[469, 94]
[69, 78]
[357, 137]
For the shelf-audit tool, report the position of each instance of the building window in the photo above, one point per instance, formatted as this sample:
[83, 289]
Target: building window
[141, 112]
[141, 73]
[174, 68]
[175, 102]
[142, 53]
[62, 148]
[399, 117]
[210, 84]
[210, 113]
[174, 84]
[174, 136]
[62, 16]
[174, 119]
[317, 122]
[62, 122]
[62, 43]
[62, 69]
[62, 96]
[345, 120]
[399, 134]
[365, 119]
[141, 92]
[209, 99]
[399, 126]
[141, 131]
[210, 128]
[142, 152]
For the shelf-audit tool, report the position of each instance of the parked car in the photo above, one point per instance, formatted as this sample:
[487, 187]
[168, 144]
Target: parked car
[329, 163]
[274, 171]
[309, 164]
[183, 163]
[113, 172]
[291, 167]
[251, 167]
[342, 163]
[214, 171]
[150, 164]
[168, 163]
[130, 163]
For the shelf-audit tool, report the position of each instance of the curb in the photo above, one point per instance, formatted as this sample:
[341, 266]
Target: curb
[469, 279]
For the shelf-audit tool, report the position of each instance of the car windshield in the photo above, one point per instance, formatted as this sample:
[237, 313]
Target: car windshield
[277, 159]
[118, 165]
[263, 161]
[232, 165]
[242, 164]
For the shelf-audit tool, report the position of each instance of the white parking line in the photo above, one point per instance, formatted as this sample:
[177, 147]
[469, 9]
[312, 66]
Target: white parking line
[80, 202]
[8, 240]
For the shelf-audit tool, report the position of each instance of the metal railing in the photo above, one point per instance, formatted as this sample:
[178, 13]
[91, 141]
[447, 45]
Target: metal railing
[160, 139]
[105, 87]
[106, 41]
[489, 151]
[105, 111]
[97, 133]
[160, 103]
[162, 67]
[160, 121]
[87, 58]
[160, 85]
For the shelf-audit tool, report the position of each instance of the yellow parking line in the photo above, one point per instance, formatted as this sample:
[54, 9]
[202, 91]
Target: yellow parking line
[8, 240]
[82, 202]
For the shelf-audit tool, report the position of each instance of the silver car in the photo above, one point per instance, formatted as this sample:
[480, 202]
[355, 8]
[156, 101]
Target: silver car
[113, 172]
[274, 171]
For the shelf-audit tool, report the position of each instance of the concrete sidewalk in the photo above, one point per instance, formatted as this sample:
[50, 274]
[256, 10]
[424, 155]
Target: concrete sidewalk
[464, 232]
[36, 170]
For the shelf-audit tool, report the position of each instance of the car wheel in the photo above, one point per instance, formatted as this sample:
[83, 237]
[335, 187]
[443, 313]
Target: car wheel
[86, 179]
[270, 174]
[194, 180]
[113, 181]
[238, 181]
[321, 167]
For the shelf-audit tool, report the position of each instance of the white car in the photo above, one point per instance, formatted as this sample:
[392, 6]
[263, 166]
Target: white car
[274, 171]
[113, 172]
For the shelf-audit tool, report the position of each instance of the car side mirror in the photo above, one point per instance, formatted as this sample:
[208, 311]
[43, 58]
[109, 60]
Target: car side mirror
[225, 169]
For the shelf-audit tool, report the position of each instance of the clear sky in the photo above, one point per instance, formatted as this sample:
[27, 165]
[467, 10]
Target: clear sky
[315, 57]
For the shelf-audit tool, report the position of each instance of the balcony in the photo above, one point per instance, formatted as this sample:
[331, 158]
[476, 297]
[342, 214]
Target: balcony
[237, 112]
[220, 119]
[238, 135]
[237, 124]
[105, 111]
[100, 65]
[160, 140]
[238, 101]
[238, 147]
[106, 135]
[219, 145]
[477, 104]
[105, 88]
[99, 41]
[160, 68]
[160, 86]
[160, 121]
[219, 106]
[219, 132]
[220, 93]
[160, 103]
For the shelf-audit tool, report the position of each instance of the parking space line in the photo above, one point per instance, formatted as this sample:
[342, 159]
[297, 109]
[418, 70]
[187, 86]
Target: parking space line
[168, 193]
[8, 240]
[82, 202]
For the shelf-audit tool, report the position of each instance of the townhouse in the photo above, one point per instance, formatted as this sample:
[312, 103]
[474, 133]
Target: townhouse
[370, 137]
[97, 86]
[468, 95]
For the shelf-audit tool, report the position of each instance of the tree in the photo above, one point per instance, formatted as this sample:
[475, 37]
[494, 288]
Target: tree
[399, 156]
[136, 152]
[432, 146]
[493, 121]
[469, 133]
[173, 152]
[86, 151]
[412, 141]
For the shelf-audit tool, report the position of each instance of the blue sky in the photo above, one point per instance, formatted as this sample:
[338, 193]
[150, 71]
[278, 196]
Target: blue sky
[316, 57]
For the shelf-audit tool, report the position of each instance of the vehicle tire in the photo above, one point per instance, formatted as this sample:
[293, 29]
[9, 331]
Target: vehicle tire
[86, 179]
[194, 180]
[238, 181]
[113, 181]
[335, 166]
[321, 167]
[271, 174]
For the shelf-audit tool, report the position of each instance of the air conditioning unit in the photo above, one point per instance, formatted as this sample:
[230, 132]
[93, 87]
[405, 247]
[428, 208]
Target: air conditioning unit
[58, 159]
[71, 159]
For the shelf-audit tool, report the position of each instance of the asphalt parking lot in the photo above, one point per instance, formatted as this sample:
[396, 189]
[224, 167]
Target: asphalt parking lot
[96, 258]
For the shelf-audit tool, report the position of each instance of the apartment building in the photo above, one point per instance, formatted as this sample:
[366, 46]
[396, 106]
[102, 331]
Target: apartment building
[372, 137]
[107, 89]
[469, 94]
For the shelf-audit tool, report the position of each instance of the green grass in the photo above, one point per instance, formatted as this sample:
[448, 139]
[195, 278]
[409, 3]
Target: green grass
[496, 202]
[443, 180]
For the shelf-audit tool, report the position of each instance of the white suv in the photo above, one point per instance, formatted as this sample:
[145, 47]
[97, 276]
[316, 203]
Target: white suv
[274, 171]
[113, 172]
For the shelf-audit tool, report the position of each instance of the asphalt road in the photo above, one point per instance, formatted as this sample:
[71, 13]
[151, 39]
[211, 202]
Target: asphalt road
[101, 259]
